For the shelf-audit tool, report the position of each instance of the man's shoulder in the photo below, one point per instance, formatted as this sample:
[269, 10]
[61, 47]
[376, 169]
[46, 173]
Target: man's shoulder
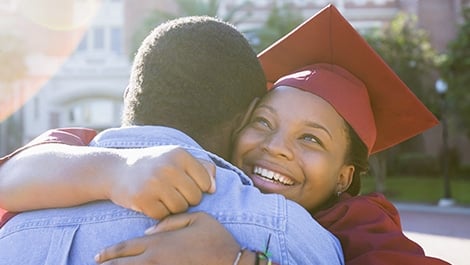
[143, 136]
[246, 198]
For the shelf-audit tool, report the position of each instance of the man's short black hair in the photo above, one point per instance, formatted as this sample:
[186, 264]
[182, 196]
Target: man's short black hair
[192, 74]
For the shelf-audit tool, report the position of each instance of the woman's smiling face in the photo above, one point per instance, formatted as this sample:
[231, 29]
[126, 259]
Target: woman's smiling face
[294, 144]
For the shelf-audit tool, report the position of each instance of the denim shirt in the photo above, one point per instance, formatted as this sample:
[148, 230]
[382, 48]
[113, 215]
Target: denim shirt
[74, 235]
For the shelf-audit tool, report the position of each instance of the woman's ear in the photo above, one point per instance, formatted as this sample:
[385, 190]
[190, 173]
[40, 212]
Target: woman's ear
[345, 178]
[243, 120]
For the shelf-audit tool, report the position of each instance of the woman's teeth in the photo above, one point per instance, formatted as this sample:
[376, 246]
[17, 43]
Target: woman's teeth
[273, 176]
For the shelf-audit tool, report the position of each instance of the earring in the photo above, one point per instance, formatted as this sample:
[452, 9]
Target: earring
[338, 194]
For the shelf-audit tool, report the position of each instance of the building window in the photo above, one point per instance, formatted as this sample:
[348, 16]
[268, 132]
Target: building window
[116, 40]
[83, 45]
[54, 119]
[102, 39]
[95, 113]
[105, 34]
[98, 38]
[36, 108]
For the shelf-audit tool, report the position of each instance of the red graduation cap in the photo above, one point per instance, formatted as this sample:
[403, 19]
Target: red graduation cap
[328, 57]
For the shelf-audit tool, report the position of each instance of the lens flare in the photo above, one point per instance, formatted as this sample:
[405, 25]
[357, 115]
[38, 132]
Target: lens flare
[59, 14]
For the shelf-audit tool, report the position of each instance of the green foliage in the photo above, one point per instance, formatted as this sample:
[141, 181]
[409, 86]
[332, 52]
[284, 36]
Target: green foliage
[455, 70]
[416, 164]
[408, 188]
[464, 172]
[407, 50]
[281, 20]
[188, 8]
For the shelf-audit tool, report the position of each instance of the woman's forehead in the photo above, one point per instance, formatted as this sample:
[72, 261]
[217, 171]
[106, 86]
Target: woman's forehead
[301, 105]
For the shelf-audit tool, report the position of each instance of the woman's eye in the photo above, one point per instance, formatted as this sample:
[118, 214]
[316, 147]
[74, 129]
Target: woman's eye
[310, 138]
[262, 122]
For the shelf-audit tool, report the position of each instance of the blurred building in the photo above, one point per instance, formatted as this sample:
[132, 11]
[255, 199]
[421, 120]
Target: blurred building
[76, 75]
[77, 67]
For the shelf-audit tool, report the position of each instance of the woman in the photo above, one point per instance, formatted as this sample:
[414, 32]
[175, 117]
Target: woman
[310, 137]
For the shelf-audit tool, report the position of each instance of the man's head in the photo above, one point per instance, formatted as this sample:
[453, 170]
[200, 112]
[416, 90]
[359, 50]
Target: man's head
[193, 74]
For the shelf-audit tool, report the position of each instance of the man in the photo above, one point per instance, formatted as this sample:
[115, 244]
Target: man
[196, 75]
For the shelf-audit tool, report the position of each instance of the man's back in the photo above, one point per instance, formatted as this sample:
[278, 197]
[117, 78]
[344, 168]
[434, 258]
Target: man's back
[74, 235]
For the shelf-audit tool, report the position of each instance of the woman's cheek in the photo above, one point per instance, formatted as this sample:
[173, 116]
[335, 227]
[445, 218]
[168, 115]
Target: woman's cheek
[248, 138]
[238, 148]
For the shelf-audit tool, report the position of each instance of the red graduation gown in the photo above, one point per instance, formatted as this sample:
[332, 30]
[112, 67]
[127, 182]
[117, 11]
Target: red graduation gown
[370, 232]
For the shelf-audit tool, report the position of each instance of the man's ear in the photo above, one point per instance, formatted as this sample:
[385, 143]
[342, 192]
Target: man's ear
[243, 120]
[126, 91]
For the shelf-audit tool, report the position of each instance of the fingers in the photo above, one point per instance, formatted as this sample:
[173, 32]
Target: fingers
[165, 183]
[124, 249]
[210, 168]
[188, 179]
[124, 261]
[168, 197]
[201, 171]
[184, 192]
[171, 201]
[156, 210]
[173, 222]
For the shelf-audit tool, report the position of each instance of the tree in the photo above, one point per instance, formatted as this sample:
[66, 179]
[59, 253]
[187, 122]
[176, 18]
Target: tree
[407, 50]
[190, 8]
[455, 71]
[281, 20]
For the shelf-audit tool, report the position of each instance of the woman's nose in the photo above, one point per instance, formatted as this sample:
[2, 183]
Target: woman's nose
[277, 145]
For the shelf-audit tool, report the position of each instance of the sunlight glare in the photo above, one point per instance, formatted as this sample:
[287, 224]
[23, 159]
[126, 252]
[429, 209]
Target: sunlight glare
[59, 14]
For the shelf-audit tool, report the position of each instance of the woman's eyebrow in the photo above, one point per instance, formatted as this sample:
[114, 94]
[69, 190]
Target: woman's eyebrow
[270, 108]
[318, 126]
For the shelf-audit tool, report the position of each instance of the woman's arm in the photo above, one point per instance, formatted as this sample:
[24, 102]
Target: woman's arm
[54, 175]
[156, 181]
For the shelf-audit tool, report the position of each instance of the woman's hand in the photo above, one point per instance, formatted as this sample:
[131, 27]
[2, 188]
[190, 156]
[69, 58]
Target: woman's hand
[159, 181]
[189, 238]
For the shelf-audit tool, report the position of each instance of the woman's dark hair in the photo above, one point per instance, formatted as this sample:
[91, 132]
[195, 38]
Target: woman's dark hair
[357, 155]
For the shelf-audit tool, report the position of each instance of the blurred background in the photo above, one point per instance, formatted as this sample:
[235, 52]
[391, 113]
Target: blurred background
[66, 63]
